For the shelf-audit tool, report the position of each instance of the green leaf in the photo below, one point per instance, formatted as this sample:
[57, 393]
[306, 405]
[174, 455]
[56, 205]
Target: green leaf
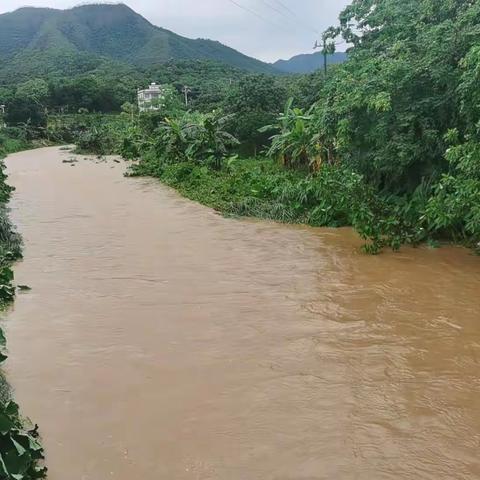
[6, 424]
[18, 447]
[12, 409]
[3, 468]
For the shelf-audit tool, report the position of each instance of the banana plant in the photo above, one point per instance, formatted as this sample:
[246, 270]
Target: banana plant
[294, 143]
[209, 140]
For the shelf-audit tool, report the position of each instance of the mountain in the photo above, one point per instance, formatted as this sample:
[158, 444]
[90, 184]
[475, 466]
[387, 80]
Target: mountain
[37, 41]
[308, 62]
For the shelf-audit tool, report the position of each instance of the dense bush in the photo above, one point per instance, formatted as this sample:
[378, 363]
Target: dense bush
[253, 103]
[404, 113]
[455, 206]
[11, 140]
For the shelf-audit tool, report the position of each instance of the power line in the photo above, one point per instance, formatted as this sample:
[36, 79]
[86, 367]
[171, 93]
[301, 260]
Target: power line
[289, 10]
[282, 13]
[285, 7]
[256, 14]
[275, 9]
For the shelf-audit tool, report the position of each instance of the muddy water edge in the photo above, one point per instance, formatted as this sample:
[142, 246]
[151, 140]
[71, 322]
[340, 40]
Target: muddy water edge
[162, 341]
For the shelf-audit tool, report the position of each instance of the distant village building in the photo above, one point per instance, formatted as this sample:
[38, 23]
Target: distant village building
[151, 98]
[2, 116]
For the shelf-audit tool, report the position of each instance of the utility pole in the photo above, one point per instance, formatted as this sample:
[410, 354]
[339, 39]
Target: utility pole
[186, 90]
[325, 66]
[328, 45]
[325, 53]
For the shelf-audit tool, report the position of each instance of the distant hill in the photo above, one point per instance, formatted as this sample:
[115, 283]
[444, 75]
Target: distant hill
[36, 41]
[308, 62]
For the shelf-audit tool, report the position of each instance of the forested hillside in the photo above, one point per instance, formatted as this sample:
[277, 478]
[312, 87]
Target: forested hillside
[43, 41]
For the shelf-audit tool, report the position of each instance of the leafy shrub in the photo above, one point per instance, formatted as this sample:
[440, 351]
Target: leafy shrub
[454, 209]
[20, 450]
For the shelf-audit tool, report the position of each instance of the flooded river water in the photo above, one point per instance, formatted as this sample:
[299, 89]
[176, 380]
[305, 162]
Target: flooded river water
[162, 341]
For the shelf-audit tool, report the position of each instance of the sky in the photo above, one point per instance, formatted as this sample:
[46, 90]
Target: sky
[264, 29]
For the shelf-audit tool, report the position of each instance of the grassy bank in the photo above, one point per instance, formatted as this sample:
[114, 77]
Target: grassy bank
[250, 187]
[261, 188]
[10, 144]
[20, 450]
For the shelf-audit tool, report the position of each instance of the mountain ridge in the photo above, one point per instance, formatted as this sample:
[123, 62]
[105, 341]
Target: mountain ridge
[39, 40]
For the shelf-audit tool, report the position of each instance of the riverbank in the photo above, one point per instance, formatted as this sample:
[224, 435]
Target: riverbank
[20, 450]
[195, 154]
[252, 188]
[170, 341]
[261, 188]
[12, 141]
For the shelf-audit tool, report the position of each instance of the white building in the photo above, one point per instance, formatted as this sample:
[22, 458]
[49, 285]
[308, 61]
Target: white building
[2, 116]
[151, 98]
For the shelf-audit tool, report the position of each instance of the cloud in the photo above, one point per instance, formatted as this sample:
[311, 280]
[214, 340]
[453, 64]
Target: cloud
[263, 29]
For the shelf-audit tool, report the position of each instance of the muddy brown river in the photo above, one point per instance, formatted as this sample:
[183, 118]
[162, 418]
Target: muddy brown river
[162, 341]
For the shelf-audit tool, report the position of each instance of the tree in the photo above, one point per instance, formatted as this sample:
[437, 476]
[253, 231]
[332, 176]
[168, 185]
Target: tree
[455, 205]
[28, 105]
[254, 102]
[390, 105]
[209, 141]
[23, 111]
[35, 90]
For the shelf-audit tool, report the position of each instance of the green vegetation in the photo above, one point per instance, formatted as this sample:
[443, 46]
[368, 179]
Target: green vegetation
[387, 142]
[403, 112]
[263, 189]
[107, 88]
[252, 103]
[11, 140]
[20, 451]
